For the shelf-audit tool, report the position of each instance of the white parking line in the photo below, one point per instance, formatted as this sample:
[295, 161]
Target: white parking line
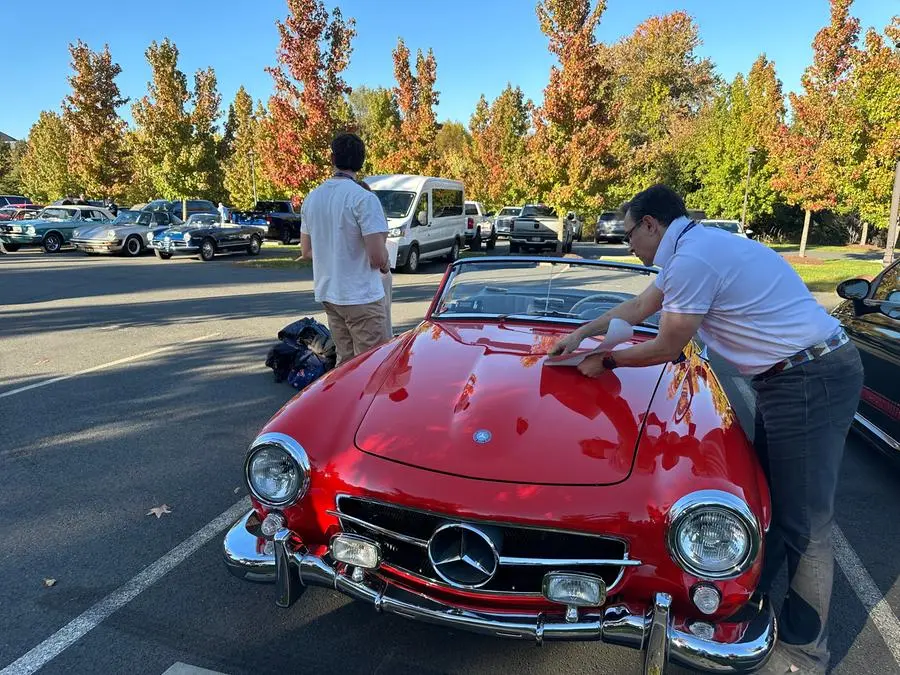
[127, 359]
[868, 593]
[745, 391]
[81, 625]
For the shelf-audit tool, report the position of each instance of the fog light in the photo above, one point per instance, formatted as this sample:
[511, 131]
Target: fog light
[355, 550]
[272, 523]
[702, 630]
[574, 589]
[706, 598]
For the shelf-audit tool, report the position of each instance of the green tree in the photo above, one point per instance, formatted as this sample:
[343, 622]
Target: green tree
[97, 160]
[11, 166]
[239, 167]
[45, 164]
[207, 178]
[376, 118]
[451, 146]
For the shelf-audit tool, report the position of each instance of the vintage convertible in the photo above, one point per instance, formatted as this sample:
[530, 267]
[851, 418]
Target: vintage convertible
[453, 476]
[204, 235]
[130, 233]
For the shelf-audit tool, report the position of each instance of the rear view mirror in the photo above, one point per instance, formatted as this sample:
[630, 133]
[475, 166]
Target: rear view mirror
[853, 289]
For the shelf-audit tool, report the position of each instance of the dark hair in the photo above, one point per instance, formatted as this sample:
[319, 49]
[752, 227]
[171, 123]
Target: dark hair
[659, 201]
[348, 152]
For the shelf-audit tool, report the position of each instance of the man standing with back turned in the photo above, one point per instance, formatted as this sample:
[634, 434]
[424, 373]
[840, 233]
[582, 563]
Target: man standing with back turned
[343, 231]
[751, 308]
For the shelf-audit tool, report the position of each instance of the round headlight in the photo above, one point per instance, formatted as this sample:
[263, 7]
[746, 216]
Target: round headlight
[713, 534]
[76, 233]
[187, 236]
[29, 229]
[277, 470]
[110, 234]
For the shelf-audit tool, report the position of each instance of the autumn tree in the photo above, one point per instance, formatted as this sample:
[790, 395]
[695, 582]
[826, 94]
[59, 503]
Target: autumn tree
[416, 98]
[240, 166]
[11, 166]
[806, 151]
[570, 160]
[737, 128]
[45, 164]
[499, 148]
[451, 148]
[376, 118]
[97, 160]
[660, 86]
[309, 104]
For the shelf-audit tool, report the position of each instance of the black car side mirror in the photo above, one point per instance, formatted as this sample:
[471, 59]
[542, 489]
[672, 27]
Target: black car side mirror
[853, 289]
[891, 306]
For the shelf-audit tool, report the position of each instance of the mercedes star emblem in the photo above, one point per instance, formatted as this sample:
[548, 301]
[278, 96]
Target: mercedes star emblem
[463, 555]
[482, 436]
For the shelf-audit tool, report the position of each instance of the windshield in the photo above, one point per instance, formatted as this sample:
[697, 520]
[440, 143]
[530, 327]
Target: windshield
[544, 291]
[58, 214]
[510, 212]
[727, 225]
[607, 216]
[203, 219]
[396, 204]
[539, 211]
[124, 217]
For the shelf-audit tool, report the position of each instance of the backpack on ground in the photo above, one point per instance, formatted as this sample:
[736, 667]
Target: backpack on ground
[304, 352]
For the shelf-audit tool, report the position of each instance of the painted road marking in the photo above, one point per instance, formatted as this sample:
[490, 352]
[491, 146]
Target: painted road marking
[81, 625]
[103, 366]
[179, 668]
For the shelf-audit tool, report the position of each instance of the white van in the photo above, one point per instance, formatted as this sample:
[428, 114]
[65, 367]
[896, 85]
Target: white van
[425, 217]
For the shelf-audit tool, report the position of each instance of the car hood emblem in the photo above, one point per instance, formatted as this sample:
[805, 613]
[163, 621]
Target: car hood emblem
[463, 556]
[482, 436]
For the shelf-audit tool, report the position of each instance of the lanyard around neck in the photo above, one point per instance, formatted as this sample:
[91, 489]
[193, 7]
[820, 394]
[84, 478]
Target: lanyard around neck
[690, 227]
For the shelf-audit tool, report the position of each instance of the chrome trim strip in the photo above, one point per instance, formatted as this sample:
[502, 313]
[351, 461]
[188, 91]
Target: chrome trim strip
[657, 655]
[723, 500]
[381, 530]
[877, 432]
[539, 562]
[296, 452]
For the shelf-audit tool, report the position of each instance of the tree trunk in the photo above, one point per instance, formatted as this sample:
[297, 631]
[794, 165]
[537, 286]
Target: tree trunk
[865, 234]
[805, 234]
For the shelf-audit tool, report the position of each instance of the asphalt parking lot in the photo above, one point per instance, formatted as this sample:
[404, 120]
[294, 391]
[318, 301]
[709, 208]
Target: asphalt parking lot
[129, 384]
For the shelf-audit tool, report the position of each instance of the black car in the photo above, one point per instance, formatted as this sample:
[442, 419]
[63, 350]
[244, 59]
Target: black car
[174, 207]
[204, 235]
[871, 317]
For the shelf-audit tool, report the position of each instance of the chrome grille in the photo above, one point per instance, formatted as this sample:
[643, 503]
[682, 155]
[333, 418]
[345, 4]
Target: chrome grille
[526, 553]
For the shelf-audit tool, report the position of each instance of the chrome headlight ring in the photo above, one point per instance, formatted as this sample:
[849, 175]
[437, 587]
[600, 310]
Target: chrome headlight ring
[711, 501]
[294, 452]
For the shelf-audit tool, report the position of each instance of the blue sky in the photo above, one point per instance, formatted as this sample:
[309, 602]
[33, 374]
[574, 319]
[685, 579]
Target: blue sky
[480, 45]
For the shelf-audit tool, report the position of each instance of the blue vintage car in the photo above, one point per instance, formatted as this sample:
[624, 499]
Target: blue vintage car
[204, 235]
[52, 227]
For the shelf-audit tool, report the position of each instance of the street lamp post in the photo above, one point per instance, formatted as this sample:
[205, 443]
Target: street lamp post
[750, 152]
[253, 173]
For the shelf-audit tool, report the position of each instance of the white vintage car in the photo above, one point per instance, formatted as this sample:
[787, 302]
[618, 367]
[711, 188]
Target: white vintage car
[129, 233]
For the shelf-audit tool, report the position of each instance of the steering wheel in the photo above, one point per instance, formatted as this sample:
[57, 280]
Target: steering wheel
[597, 297]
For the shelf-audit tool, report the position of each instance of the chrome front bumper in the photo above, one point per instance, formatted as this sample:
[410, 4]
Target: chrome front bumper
[653, 632]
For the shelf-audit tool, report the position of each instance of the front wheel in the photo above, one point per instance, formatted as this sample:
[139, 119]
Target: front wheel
[255, 245]
[10, 248]
[453, 256]
[491, 243]
[132, 247]
[162, 255]
[412, 263]
[52, 243]
[207, 250]
[286, 236]
[476, 241]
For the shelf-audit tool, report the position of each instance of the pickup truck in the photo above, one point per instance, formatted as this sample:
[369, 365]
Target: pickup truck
[539, 227]
[479, 227]
[281, 220]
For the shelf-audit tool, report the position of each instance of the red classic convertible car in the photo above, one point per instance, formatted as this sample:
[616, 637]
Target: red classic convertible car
[464, 481]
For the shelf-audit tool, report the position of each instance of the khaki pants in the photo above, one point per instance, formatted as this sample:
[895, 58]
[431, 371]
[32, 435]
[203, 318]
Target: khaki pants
[356, 328]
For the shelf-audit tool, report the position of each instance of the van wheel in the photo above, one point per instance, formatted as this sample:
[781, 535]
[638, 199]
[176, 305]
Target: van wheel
[207, 250]
[453, 256]
[52, 243]
[255, 245]
[132, 247]
[412, 263]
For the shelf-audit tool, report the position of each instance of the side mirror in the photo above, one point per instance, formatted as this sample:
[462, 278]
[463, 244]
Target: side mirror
[748, 232]
[422, 217]
[891, 306]
[853, 289]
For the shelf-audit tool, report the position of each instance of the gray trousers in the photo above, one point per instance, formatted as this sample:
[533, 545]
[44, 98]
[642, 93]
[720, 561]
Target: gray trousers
[803, 416]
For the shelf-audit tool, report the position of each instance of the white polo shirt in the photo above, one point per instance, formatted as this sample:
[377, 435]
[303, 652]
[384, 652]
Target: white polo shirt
[757, 311]
[337, 215]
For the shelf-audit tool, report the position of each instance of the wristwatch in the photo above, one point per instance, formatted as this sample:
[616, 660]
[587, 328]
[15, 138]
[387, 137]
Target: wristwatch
[609, 362]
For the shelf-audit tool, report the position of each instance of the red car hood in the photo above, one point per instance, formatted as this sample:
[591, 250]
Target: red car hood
[476, 400]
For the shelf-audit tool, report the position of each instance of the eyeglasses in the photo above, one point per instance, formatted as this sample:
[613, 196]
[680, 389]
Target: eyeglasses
[627, 238]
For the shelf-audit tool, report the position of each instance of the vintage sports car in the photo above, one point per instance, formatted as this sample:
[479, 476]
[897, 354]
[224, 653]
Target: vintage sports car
[129, 233]
[204, 235]
[52, 227]
[871, 317]
[453, 476]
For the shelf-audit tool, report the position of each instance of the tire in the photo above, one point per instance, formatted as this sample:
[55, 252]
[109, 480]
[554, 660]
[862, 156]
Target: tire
[10, 248]
[476, 241]
[453, 255]
[412, 262]
[255, 245]
[132, 247]
[286, 237]
[162, 255]
[207, 249]
[52, 243]
[491, 243]
[513, 247]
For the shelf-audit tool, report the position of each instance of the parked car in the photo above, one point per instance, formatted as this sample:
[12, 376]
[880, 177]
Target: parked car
[425, 217]
[474, 486]
[577, 224]
[610, 227]
[871, 316]
[129, 233]
[504, 220]
[538, 227]
[52, 227]
[13, 200]
[19, 211]
[479, 227]
[733, 226]
[279, 219]
[174, 207]
[204, 235]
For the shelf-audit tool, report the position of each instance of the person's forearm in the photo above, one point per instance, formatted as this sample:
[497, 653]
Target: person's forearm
[649, 353]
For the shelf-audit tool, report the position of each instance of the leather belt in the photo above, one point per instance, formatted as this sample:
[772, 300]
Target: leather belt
[839, 339]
